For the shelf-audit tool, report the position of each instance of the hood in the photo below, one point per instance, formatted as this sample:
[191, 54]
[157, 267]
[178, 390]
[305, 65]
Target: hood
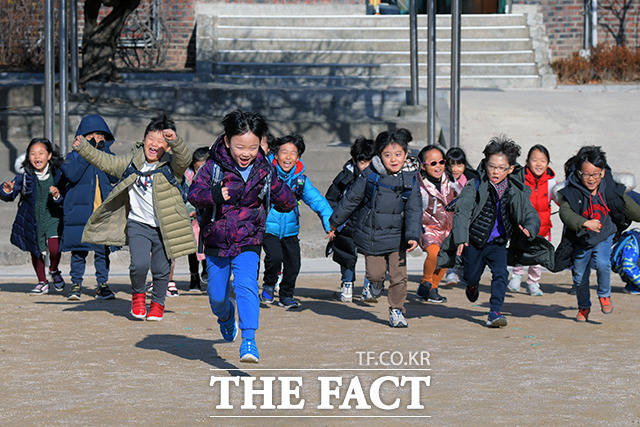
[94, 123]
[297, 170]
[574, 181]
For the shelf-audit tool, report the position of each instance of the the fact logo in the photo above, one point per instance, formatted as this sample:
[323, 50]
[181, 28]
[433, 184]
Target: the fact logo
[355, 389]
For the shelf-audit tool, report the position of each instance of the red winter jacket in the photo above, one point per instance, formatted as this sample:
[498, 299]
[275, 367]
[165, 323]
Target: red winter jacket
[541, 197]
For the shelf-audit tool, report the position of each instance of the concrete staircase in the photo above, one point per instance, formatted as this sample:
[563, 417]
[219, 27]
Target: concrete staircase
[356, 51]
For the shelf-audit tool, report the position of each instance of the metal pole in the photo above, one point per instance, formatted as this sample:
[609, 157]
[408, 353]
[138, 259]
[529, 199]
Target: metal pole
[64, 87]
[587, 21]
[413, 46]
[431, 73]
[74, 46]
[594, 23]
[48, 70]
[455, 73]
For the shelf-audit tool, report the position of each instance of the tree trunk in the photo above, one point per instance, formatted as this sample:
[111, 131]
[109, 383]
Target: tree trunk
[99, 41]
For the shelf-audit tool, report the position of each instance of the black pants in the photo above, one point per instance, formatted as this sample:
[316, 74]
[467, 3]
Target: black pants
[283, 253]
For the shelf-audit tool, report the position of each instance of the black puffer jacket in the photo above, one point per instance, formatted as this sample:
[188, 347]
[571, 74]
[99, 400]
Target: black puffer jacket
[385, 222]
[338, 188]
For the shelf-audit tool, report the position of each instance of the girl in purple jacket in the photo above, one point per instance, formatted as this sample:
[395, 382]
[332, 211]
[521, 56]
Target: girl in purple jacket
[230, 191]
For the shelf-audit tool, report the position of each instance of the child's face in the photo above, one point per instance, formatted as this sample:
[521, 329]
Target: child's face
[537, 163]
[264, 145]
[393, 157]
[362, 164]
[97, 136]
[197, 165]
[498, 167]
[244, 148]
[590, 176]
[39, 156]
[457, 169]
[433, 164]
[287, 156]
[155, 146]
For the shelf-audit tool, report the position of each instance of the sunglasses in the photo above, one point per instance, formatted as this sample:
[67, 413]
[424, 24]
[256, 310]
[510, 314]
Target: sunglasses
[441, 162]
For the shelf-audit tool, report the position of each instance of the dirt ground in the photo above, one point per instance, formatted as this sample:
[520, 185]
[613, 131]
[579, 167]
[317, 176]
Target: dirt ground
[88, 363]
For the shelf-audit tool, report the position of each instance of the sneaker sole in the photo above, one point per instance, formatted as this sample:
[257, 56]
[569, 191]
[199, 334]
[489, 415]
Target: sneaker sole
[345, 299]
[499, 323]
[249, 358]
[59, 288]
[154, 318]
[73, 298]
[400, 325]
[440, 301]
[139, 316]
[607, 312]
[513, 290]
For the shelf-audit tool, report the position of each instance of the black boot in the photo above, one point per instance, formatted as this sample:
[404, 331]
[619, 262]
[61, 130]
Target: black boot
[195, 281]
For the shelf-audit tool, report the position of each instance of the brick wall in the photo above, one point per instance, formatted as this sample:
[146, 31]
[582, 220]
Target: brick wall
[564, 21]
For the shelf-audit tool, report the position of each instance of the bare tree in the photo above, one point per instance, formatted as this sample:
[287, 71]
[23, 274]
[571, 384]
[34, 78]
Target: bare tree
[99, 41]
[619, 9]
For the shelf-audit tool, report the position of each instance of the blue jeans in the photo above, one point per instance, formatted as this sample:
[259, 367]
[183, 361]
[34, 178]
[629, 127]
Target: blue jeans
[100, 261]
[599, 258]
[245, 285]
[495, 256]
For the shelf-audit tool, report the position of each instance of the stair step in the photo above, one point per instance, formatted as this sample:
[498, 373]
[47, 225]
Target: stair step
[226, 32]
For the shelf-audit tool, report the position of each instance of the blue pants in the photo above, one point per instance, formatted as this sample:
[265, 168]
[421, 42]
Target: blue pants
[245, 285]
[100, 261]
[495, 256]
[583, 259]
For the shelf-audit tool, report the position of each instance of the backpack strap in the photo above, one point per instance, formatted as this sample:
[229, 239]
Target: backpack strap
[299, 190]
[371, 186]
[265, 193]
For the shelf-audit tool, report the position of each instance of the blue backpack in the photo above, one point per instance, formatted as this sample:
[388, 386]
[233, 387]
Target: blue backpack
[616, 249]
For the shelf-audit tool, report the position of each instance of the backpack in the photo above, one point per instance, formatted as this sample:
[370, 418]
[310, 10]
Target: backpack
[373, 181]
[616, 249]
[164, 169]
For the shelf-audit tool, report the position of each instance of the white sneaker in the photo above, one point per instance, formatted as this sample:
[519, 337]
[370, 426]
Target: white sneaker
[534, 289]
[346, 292]
[451, 278]
[396, 318]
[514, 283]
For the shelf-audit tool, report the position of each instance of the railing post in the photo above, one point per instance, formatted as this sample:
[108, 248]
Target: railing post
[455, 73]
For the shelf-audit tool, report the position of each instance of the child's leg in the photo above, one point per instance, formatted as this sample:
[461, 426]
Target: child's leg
[496, 258]
[581, 270]
[38, 267]
[535, 273]
[193, 263]
[375, 267]
[53, 243]
[291, 266]
[602, 260]
[78, 264]
[272, 259]
[347, 274]
[430, 264]
[245, 284]
[140, 252]
[161, 267]
[101, 263]
[397, 294]
[218, 286]
[473, 265]
[519, 270]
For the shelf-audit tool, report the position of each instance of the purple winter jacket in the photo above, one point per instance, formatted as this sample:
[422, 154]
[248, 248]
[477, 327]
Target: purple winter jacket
[240, 221]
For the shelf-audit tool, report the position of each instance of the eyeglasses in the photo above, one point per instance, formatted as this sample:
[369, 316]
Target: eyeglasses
[433, 163]
[596, 175]
[497, 168]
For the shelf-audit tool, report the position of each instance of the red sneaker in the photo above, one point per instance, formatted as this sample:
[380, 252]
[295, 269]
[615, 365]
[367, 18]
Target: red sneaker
[583, 315]
[156, 311]
[605, 305]
[138, 306]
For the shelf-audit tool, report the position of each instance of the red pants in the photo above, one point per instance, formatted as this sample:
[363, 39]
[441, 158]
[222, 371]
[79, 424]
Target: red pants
[54, 253]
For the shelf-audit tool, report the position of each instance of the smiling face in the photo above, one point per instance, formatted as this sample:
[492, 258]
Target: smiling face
[457, 169]
[39, 156]
[590, 176]
[433, 164]
[393, 157]
[154, 146]
[287, 156]
[244, 148]
[537, 163]
[498, 167]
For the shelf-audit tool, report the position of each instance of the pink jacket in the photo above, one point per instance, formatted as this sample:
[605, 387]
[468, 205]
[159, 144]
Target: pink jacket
[436, 221]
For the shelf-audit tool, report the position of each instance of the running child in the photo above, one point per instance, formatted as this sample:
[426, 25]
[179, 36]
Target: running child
[198, 280]
[235, 187]
[281, 244]
[385, 207]
[343, 248]
[145, 208]
[437, 192]
[540, 179]
[38, 224]
[490, 211]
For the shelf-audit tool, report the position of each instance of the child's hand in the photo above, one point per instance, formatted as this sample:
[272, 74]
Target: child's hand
[7, 186]
[593, 225]
[412, 245]
[225, 193]
[169, 134]
[331, 235]
[524, 231]
[77, 142]
[461, 247]
[54, 192]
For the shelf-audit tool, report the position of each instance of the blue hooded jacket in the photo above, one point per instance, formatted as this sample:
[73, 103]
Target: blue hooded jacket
[81, 187]
[288, 224]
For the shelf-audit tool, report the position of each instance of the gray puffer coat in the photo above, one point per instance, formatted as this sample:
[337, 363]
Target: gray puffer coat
[383, 220]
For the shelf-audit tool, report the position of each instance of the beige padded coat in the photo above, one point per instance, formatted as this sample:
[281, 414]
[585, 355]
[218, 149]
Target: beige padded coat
[107, 225]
